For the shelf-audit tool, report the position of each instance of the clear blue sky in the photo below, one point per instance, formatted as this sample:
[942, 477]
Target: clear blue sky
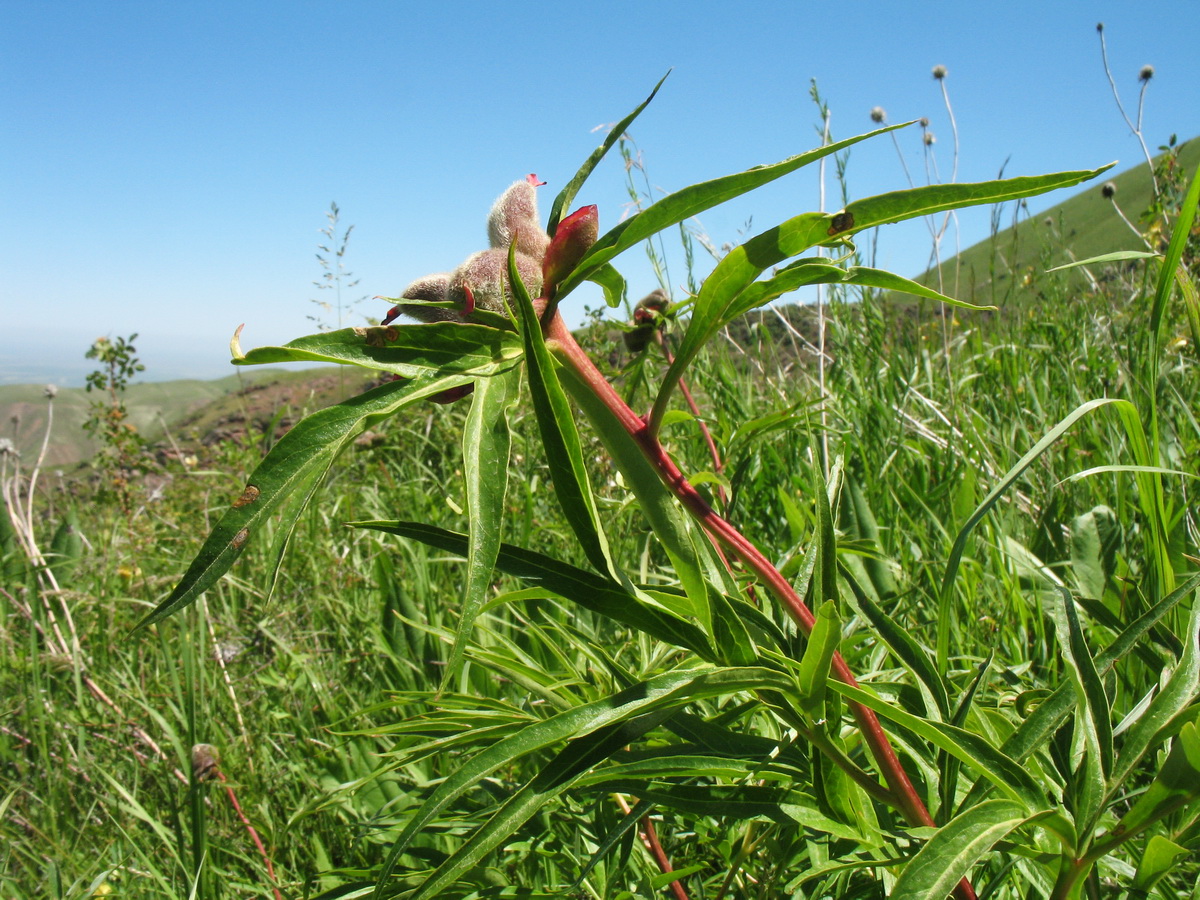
[165, 167]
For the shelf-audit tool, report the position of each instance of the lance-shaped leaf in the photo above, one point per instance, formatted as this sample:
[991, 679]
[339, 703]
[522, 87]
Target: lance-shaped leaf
[970, 748]
[691, 201]
[567, 195]
[1176, 786]
[595, 592]
[486, 444]
[1095, 721]
[286, 479]
[949, 855]
[663, 692]
[720, 297]
[405, 350]
[560, 438]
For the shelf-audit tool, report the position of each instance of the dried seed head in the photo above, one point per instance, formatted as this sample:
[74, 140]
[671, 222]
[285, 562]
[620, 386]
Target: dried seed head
[939, 72]
[878, 116]
[1108, 190]
[929, 139]
[923, 122]
[514, 216]
[1146, 73]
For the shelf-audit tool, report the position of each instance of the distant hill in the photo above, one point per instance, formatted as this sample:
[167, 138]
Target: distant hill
[993, 271]
[190, 410]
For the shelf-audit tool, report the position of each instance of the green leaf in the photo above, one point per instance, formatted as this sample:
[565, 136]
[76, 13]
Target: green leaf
[591, 591]
[1119, 256]
[1051, 713]
[946, 606]
[1095, 541]
[968, 747]
[574, 760]
[1095, 721]
[405, 350]
[693, 200]
[664, 692]
[703, 577]
[1176, 786]
[897, 206]
[560, 438]
[286, 479]
[1176, 695]
[813, 672]
[1159, 858]
[567, 195]
[949, 855]
[612, 283]
[486, 444]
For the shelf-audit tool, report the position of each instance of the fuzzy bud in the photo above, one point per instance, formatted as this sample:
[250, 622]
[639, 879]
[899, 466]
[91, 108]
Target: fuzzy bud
[878, 115]
[514, 217]
[483, 281]
[1146, 73]
[1108, 190]
[929, 139]
[430, 289]
[939, 72]
[575, 235]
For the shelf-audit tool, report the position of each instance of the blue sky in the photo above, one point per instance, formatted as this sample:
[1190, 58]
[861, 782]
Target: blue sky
[165, 168]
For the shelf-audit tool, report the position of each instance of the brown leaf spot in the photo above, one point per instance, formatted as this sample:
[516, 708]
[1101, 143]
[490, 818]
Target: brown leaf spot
[239, 539]
[249, 495]
[843, 221]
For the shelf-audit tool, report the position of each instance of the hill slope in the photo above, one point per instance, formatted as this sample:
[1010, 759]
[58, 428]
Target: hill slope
[993, 271]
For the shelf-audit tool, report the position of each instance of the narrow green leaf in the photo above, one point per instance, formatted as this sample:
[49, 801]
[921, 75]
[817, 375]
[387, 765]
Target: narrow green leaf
[560, 438]
[567, 195]
[1176, 695]
[1119, 256]
[1051, 713]
[1095, 721]
[663, 692]
[405, 350]
[905, 647]
[1176, 785]
[968, 747]
[693, 200]
[612, 283]
[486, 443]
[897, 206]
[949, 855]
[294, 466]
[591, 591]
[946, 605]
[574, 760]
[813, 672]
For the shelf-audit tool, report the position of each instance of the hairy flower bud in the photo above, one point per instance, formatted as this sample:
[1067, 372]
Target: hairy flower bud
[514, 217]
[430, 289]
[483, 281]
[576, 233]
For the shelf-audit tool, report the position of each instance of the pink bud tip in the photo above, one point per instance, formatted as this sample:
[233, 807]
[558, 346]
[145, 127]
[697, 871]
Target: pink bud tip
[469, 303]
[533, 179]
[393, 314]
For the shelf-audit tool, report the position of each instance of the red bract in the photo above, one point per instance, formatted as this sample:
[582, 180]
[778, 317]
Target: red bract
[576, 233]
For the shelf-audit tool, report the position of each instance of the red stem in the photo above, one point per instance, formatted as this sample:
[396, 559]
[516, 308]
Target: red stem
[908, 801]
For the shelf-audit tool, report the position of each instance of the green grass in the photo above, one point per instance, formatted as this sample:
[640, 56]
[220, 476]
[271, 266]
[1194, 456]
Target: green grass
[327, 702]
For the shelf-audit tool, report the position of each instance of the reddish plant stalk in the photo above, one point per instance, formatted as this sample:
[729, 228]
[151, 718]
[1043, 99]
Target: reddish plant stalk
[905, 795]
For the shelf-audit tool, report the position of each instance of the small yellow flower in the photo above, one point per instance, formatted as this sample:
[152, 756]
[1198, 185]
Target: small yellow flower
[128, 573]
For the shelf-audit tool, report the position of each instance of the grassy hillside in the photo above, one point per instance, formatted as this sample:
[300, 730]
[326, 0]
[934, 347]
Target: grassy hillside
[188, 409]
[1002, 269]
